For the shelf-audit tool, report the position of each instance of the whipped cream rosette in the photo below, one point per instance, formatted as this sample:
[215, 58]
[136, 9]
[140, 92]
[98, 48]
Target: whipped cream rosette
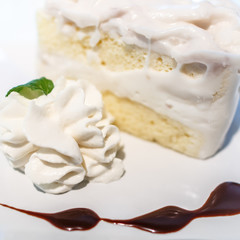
[61, 139]
[14, 143]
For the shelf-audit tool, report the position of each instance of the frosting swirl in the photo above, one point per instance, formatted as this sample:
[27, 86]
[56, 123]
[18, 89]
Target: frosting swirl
[14, 143]
[61, 139]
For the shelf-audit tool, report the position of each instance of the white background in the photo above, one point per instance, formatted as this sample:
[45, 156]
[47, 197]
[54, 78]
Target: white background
[155, 177]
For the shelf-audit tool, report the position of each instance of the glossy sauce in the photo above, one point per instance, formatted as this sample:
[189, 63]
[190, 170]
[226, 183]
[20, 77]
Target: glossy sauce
[223, 201]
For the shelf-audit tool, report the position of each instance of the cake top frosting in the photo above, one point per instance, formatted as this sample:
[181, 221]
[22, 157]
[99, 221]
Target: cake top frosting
[175, 28]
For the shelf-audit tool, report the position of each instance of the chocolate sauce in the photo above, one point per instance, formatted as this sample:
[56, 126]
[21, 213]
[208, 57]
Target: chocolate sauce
[69, 220]
[223, 201]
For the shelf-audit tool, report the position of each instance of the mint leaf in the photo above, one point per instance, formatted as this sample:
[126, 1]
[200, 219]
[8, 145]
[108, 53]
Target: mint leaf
[34, 89]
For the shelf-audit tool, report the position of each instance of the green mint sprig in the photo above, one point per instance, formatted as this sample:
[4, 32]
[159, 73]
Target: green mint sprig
[34, 89]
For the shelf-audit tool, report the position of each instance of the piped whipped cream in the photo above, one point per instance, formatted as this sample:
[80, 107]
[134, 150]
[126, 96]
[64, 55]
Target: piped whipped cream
[61, 139]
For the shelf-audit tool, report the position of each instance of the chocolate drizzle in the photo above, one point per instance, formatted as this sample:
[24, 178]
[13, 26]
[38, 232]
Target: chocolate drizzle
[223, 201]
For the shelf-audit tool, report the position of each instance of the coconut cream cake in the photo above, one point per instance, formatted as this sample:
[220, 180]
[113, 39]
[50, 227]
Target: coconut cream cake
[168, 70]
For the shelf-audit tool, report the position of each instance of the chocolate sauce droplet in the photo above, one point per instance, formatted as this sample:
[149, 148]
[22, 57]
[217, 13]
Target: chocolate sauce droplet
[164, 220]
[223, 201]
[69, 220]
[73, 219]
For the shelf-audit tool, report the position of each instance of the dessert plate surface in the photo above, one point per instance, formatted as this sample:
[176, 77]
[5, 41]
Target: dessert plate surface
[155, 177]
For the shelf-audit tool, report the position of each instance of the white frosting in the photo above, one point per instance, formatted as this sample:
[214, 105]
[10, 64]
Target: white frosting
[60, 139]
[190, 31]
[176, 28]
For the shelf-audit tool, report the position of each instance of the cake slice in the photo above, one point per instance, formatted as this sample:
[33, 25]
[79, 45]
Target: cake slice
[168, 72]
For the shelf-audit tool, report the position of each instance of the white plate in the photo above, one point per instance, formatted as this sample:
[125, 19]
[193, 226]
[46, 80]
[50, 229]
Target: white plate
[155, 177]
